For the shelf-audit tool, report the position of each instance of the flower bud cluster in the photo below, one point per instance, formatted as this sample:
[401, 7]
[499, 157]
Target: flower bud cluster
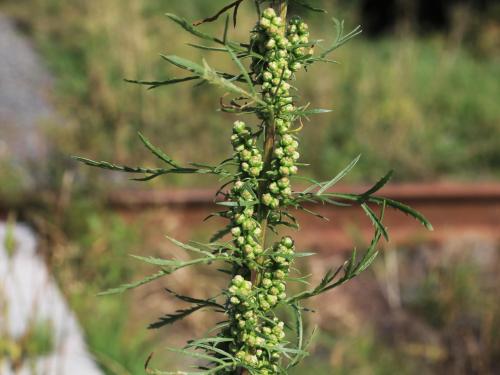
[247, 154]
[275, 72]
[251, 339]
[284, 49]
[298, 36]
[277, 269]
[245, 229]
[256, 340]
[283, 165]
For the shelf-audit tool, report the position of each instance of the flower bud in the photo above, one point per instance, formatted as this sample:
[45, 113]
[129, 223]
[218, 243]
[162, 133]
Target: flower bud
[271, 43]
[269, 13]
[234, 300]
[278, 152]
[239, 127]
[265, 23]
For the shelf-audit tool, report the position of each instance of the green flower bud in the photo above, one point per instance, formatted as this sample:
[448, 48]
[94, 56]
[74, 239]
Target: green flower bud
[273, 300]
[267, 199]
[294, 169]
[249, 224]
[236, 231]
[269, 13]
[279, 274]
[233, 289]
[287, 241]
[248, 249]
[265, 23]
[273, 188]
[279, 153]
[296, 66]
[258, 249]
[265, 305]
[277, 21]
[271, 43]
[239, 127]
[287, 162]
[286, 192]
[238, 280]
[246, 195]
[283, 182]
[284, 171]
[287, 140]
[303, 27]
[254, 171]
[267, 76]
[257, 232]
[234, 300]
[267, 283]
[245, 155]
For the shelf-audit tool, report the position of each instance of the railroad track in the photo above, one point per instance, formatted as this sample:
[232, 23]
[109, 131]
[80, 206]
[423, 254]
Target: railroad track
[453, 209]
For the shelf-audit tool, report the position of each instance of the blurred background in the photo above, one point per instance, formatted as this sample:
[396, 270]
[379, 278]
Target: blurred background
[417, 92]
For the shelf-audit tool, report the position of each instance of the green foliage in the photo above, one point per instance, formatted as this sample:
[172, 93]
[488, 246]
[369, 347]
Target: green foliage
[258, 196]
[434, 98]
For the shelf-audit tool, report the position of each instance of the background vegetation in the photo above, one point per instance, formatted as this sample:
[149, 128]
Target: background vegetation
[434, 95]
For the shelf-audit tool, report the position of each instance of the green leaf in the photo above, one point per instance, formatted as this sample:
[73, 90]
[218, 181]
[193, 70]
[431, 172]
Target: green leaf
[136, 284]
[189, 247]
[375, 220]
[309, 7]
[405, 209]
[379, 185]
[157, 152]
[155, 84]
[243, 71]
[326, 185]
[191, 29]
[341, 39]
[211, 76]
[173, 318]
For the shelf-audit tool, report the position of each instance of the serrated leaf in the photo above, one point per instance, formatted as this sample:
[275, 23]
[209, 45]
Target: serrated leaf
[379, 185]
[136, 284]
[375, 220]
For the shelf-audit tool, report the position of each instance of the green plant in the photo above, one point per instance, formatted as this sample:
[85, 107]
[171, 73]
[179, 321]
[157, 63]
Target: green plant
[257, 196]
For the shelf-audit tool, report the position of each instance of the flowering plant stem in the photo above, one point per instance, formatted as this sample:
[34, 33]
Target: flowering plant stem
[257, 196]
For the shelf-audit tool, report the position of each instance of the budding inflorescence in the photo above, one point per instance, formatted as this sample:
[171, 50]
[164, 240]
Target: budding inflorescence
[246, 229]
[255, 330]
[257, 195]
[284, 47]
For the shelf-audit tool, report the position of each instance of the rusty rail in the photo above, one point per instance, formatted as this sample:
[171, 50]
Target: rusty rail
[454, 210]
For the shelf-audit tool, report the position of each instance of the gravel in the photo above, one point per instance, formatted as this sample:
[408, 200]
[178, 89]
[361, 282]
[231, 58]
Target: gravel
[25, 85]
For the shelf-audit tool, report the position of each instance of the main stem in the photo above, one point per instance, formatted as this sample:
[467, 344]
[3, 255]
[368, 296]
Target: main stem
[281, 7]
